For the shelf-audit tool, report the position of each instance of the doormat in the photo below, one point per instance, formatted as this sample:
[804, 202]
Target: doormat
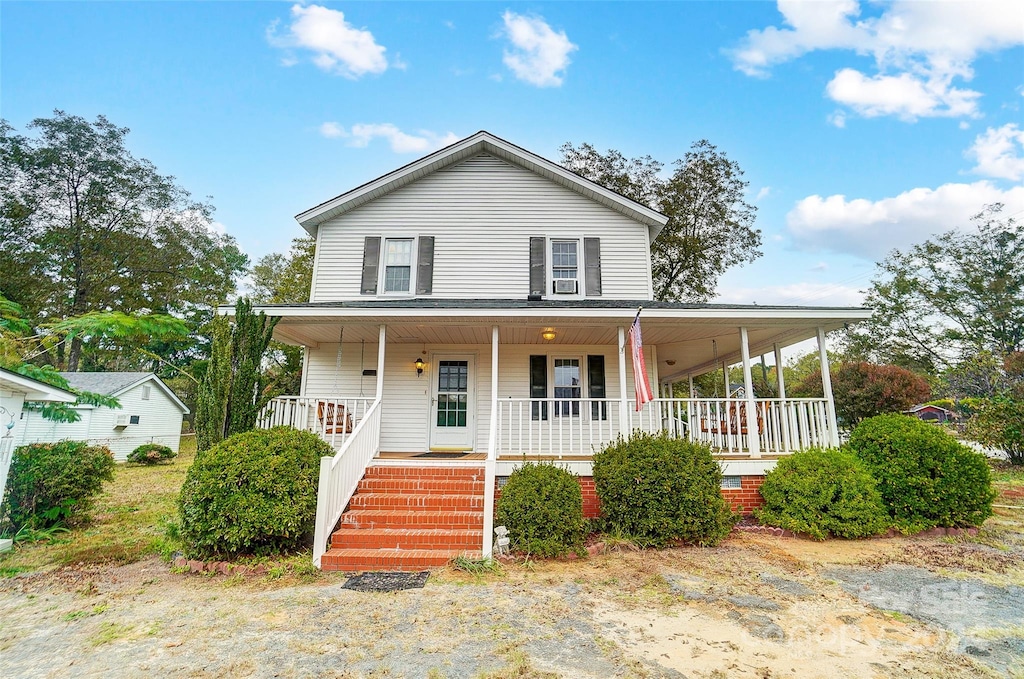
[442, 456]
[386, 581]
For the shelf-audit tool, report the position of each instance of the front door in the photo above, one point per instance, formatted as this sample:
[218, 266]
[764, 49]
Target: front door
[452, 417]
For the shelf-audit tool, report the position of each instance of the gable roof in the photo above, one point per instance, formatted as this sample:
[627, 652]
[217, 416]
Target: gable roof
[34, 389]
[481, 142]
[116, 383]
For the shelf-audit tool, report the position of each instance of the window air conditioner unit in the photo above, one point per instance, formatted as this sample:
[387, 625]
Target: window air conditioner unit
[565, 286]
[122, 422]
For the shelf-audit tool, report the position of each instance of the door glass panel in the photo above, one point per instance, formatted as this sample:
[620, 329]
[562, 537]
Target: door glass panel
[452, 396]
[567, 386]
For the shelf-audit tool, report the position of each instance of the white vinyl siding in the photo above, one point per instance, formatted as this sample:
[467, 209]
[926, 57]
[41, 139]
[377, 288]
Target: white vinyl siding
[482, 213]
[159, 421]
[407, 410]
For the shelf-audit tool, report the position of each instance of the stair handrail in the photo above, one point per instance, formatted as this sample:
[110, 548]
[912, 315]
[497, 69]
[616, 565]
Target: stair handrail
[340, 474]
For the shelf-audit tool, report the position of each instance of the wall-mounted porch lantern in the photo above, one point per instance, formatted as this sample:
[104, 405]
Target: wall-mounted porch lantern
[419, 366]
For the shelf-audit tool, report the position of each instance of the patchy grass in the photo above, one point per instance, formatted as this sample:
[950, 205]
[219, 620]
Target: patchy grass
[1004, 473]
[134, 518]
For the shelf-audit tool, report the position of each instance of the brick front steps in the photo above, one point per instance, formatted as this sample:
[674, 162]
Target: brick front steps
[410, 519]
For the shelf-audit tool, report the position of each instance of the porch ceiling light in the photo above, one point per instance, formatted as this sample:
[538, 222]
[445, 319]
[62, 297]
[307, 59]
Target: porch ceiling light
[419, 366]
[548, 334]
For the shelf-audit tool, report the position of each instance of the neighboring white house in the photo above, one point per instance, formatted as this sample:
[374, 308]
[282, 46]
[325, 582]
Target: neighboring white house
[15, 389]
[149, 413]
[475, 303]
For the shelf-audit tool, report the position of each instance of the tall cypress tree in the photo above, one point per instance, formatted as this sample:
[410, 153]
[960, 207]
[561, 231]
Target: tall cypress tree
[231, 393]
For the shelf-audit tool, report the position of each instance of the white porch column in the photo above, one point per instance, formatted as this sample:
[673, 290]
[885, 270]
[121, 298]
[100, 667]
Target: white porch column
[689, 379]
[725, 373]
[780, 378]
[826, 387]
[381, 339]
[753, 435]
[492, 453]
[623, 406]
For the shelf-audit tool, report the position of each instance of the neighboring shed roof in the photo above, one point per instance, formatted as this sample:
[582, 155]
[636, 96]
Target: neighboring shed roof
[481, 142]
[116, 383]
[34, 389]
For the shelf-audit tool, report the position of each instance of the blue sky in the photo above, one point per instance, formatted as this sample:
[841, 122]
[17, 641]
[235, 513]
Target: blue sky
[860, 126]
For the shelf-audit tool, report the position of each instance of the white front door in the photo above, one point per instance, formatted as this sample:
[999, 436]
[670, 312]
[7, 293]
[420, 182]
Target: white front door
[452, 409]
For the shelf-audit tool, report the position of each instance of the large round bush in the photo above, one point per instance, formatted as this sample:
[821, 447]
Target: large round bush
[822, 493]
[926, 477]
[49, 483]
[252, 493]
[151, 453]
[542, 507]
[655, 489]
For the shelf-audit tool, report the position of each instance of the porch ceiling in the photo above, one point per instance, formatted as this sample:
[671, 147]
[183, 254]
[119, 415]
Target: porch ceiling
[687, 341]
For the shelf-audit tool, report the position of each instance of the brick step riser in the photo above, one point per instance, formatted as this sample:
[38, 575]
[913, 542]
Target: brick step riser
[472, 473]
[421, 486]
[389, 560]
[370, 565]
[414, 503]
[353, 540]
[436, 524]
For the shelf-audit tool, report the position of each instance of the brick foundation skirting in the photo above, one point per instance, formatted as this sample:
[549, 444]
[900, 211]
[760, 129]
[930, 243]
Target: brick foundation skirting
[743, 499]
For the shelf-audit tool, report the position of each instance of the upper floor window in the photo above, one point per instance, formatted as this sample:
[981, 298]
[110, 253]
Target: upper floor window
[398, 265]
[145, 392]
[565, 266]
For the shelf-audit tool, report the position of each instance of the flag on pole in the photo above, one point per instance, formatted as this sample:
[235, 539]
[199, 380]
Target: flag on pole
[641, 385]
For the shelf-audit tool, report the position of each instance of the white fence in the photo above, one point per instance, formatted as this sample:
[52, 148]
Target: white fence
[334, 419]
[339, 476]
[580, 427]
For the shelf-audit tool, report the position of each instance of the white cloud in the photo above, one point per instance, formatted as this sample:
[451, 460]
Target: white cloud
[838, 118]
[999, 152]
[337, 46]
[361, 134]
[820, 266]
[870, 229]
[763, 193]
[816, 294]
[538, 54]
[919, 48]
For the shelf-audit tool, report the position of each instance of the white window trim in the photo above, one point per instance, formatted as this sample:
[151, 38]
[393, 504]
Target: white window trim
[413, 265]
[146, 391]
[584, 387]
[581, 268]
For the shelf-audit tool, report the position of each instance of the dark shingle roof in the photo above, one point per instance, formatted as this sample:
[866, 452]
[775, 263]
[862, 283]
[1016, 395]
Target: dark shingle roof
[424, 303]
[103, 383]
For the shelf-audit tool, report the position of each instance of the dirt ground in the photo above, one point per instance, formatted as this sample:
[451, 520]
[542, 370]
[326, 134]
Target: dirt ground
[756, 606]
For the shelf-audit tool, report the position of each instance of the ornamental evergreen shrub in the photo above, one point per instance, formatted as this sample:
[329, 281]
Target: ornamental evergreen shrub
[821, 493]
[151, 453]
[542, 507]
[925, 476]
[656, 489]
[50, 483]
[252, 493]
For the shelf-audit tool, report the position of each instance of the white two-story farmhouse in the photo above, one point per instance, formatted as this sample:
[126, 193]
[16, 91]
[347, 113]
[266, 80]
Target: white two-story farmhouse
[469, 311]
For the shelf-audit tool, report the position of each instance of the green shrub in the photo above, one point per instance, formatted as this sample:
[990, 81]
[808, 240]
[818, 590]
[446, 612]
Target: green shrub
[50, 483]
[542, 507]
[822, 493]
[151, 453]
[655, 489]
[999, 422]
[926, 477]
[252, 493]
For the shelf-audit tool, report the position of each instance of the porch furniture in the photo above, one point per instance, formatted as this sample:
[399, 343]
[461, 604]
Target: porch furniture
[334, 418]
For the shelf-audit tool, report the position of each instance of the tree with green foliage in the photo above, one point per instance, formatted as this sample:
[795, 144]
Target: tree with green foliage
[948, 299]
[87, 227]
[233, 390]
[710, 227]
[863, 390]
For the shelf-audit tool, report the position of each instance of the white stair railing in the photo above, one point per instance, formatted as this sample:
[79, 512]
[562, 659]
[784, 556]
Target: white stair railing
[339, 476]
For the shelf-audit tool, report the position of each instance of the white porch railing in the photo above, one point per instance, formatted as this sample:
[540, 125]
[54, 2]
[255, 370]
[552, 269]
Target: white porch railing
[333, 418]
[339, 476]
[580, 427]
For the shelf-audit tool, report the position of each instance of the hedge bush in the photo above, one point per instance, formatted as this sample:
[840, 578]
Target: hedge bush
[50, 483]
[822, 493]
[542, 507]
[926, 477]
[151, 453]
[252, 493]
[656, 489]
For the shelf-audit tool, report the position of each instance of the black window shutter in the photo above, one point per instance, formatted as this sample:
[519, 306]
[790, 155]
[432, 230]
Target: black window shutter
[592, 256]
[538, 269]
[596, 382]
[539, 386]
[425, 266]
[371, 261]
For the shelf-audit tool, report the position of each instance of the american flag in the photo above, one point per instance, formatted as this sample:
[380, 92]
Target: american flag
[641, 384]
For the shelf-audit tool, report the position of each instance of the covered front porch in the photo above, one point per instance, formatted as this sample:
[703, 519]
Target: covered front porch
[510, 381]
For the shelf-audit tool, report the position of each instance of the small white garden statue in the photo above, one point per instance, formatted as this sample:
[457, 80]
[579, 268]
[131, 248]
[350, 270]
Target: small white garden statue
[501, 543]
